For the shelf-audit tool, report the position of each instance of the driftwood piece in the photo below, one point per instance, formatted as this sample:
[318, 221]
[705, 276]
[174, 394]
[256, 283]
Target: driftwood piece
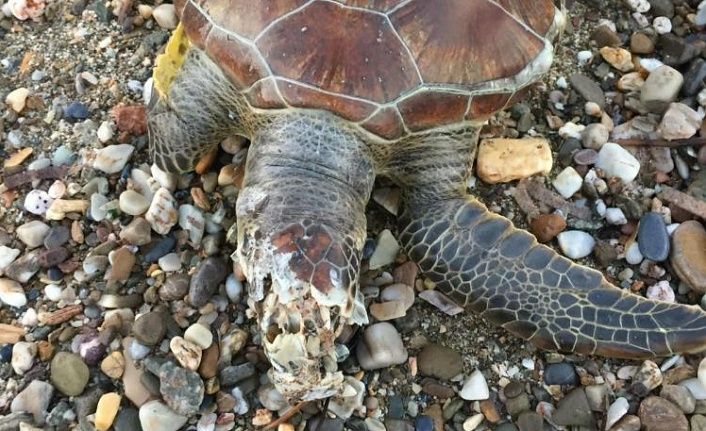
[51, 172]
[683, 201]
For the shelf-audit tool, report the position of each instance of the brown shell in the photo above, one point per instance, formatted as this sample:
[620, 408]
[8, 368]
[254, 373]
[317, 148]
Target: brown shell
[394, 66]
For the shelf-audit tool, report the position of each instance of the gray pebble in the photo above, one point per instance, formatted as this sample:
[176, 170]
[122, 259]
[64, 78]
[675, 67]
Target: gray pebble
[57, 236]
[204, 283]
[182, 389]
[652, 237]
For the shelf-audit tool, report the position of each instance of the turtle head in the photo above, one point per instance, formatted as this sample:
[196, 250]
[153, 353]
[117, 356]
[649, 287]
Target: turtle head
[300, 233]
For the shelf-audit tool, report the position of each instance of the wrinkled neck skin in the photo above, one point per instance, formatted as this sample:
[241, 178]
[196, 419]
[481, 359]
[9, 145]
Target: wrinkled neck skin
[301, 229]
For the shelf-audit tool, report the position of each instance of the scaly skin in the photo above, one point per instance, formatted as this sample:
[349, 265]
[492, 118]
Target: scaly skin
[301, 227]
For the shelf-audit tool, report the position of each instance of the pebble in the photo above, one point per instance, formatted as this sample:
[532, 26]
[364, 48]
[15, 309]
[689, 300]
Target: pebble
[32, 233]
[386, 249]
[23, 354]
[652, 237]
[35, 399]
[191, 219]
[68, 373]
[76, 110]
[688, 257]
[576, 244]
[586, 157]
[658, 414]
[17, 99]
[594, 136]
[209, 274]
[38, 202]
[113, 158]
[165, 15]
[547, 226]
[176, 286]
[113, 365]
[162, 213]
[380, 346]
[560, 373]
[150, 328]
[567, 182]
[504, 160]
[616, 411]
[199, 335]
[133, 203]
[98, 208]
[616, 161]
[188, 354]
[12, 293]
[7, 256]
[473, 422]
[661, 88]
[106, 411]
[170, 262]
[574, 410]
[182, 390]
[475, 387]
[615, 216]
[439, 361]
[661, 291]
[56, 237]
[157, 416]
[530, 421]
[633, 256]
[679, 122]
[588, 89]
[696, 387]
[619, 58]
[680, 396]
[647, 378]
[137, 232]
[207, 422]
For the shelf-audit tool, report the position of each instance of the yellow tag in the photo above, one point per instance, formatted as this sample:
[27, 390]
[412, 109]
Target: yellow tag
[169, 63]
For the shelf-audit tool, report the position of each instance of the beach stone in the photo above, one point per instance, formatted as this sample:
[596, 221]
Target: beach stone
[106, 411]
[175, 287]
[680, 396]
[38, 202]
[386, 249]
[57, 236]
[53, 256]
[594, 136]
[199, 334]
[530, 421]
[547, 226]
[32, 233]
[567, 182]
[502, 160]
[137, 232]
[209, 274]
[157, 416]
[380, 346]
[679, 122]
[661, 88]
[113, 365]
[186, 353]
[652, 237]
[658, 414]
[576, 244]
[560, 373]
[232, 374]
[588, 89]
[133, 203]
[688, 255]
[68, 373]
[23, 354]
[135, 389]
[475, 387]
[128, 419]
[150, 328]
[35, 399]
[616, 161]
[182, 390]
[574, 410]
[208, 367]
[698, 423]
[162, 213]
[619, 58]
[439, 361]
[113, 158]
[11, 293]
[165, 15]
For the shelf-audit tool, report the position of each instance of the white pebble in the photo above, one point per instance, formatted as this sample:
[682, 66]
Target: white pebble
[32, 233]
[167, 180]
[133, 203]
[17, 98]
[106, 131]
[162, 213]
[23, 354]
[113, 158]
[697, 389]
[615, 216]
[661, 291]
[633, 256]
[7, 256]
[472, 423]
[191, 219]
[165, 15]
[38, 202]
[199, 335]
[138, 350]
[475, 387]
[234, 288]
[576, 244]
[52, 292]
[584, 57]
[662, 25]
[571, 130]
[701, 373]
[385, 250]
[12, 293]
[157, 416]
[98, 211]
[29, 318]
[616, 161]
[170, 262]
[57, 189]
[567, 182]
[617, 410]
[380, 347]
[207, 422]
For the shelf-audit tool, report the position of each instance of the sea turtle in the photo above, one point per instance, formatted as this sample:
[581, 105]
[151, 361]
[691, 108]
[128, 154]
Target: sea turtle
[331, 94]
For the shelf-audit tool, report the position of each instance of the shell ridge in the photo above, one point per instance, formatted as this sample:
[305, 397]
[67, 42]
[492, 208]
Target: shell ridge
[279, 79]
[406, 50]
[517, 20]
[280, 18]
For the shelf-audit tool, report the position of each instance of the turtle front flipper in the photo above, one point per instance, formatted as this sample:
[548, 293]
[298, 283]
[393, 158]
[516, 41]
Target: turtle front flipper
[193, 106]
[490, 267]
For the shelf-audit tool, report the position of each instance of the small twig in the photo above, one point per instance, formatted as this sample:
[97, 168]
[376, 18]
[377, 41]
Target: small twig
[677, 143]
[291, 412]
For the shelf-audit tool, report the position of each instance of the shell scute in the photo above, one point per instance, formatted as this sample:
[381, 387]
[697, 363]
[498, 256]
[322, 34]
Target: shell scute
[239, 59]
[264, 94]
[342, 50]
[301, 96]
[386, 123]
[483, 105]
[430, 108]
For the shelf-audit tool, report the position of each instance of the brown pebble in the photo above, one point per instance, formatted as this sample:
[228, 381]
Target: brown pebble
[113, 365]
[658, 414]
[678, 374]
[53, 256]
[436, 389]
[406, 273]
[206, 161]
[640, 43]
[131, 119]
[45, 350]
[547, 226]
[490, 411]
[209, 361]
[688, 255]
[123, 261]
